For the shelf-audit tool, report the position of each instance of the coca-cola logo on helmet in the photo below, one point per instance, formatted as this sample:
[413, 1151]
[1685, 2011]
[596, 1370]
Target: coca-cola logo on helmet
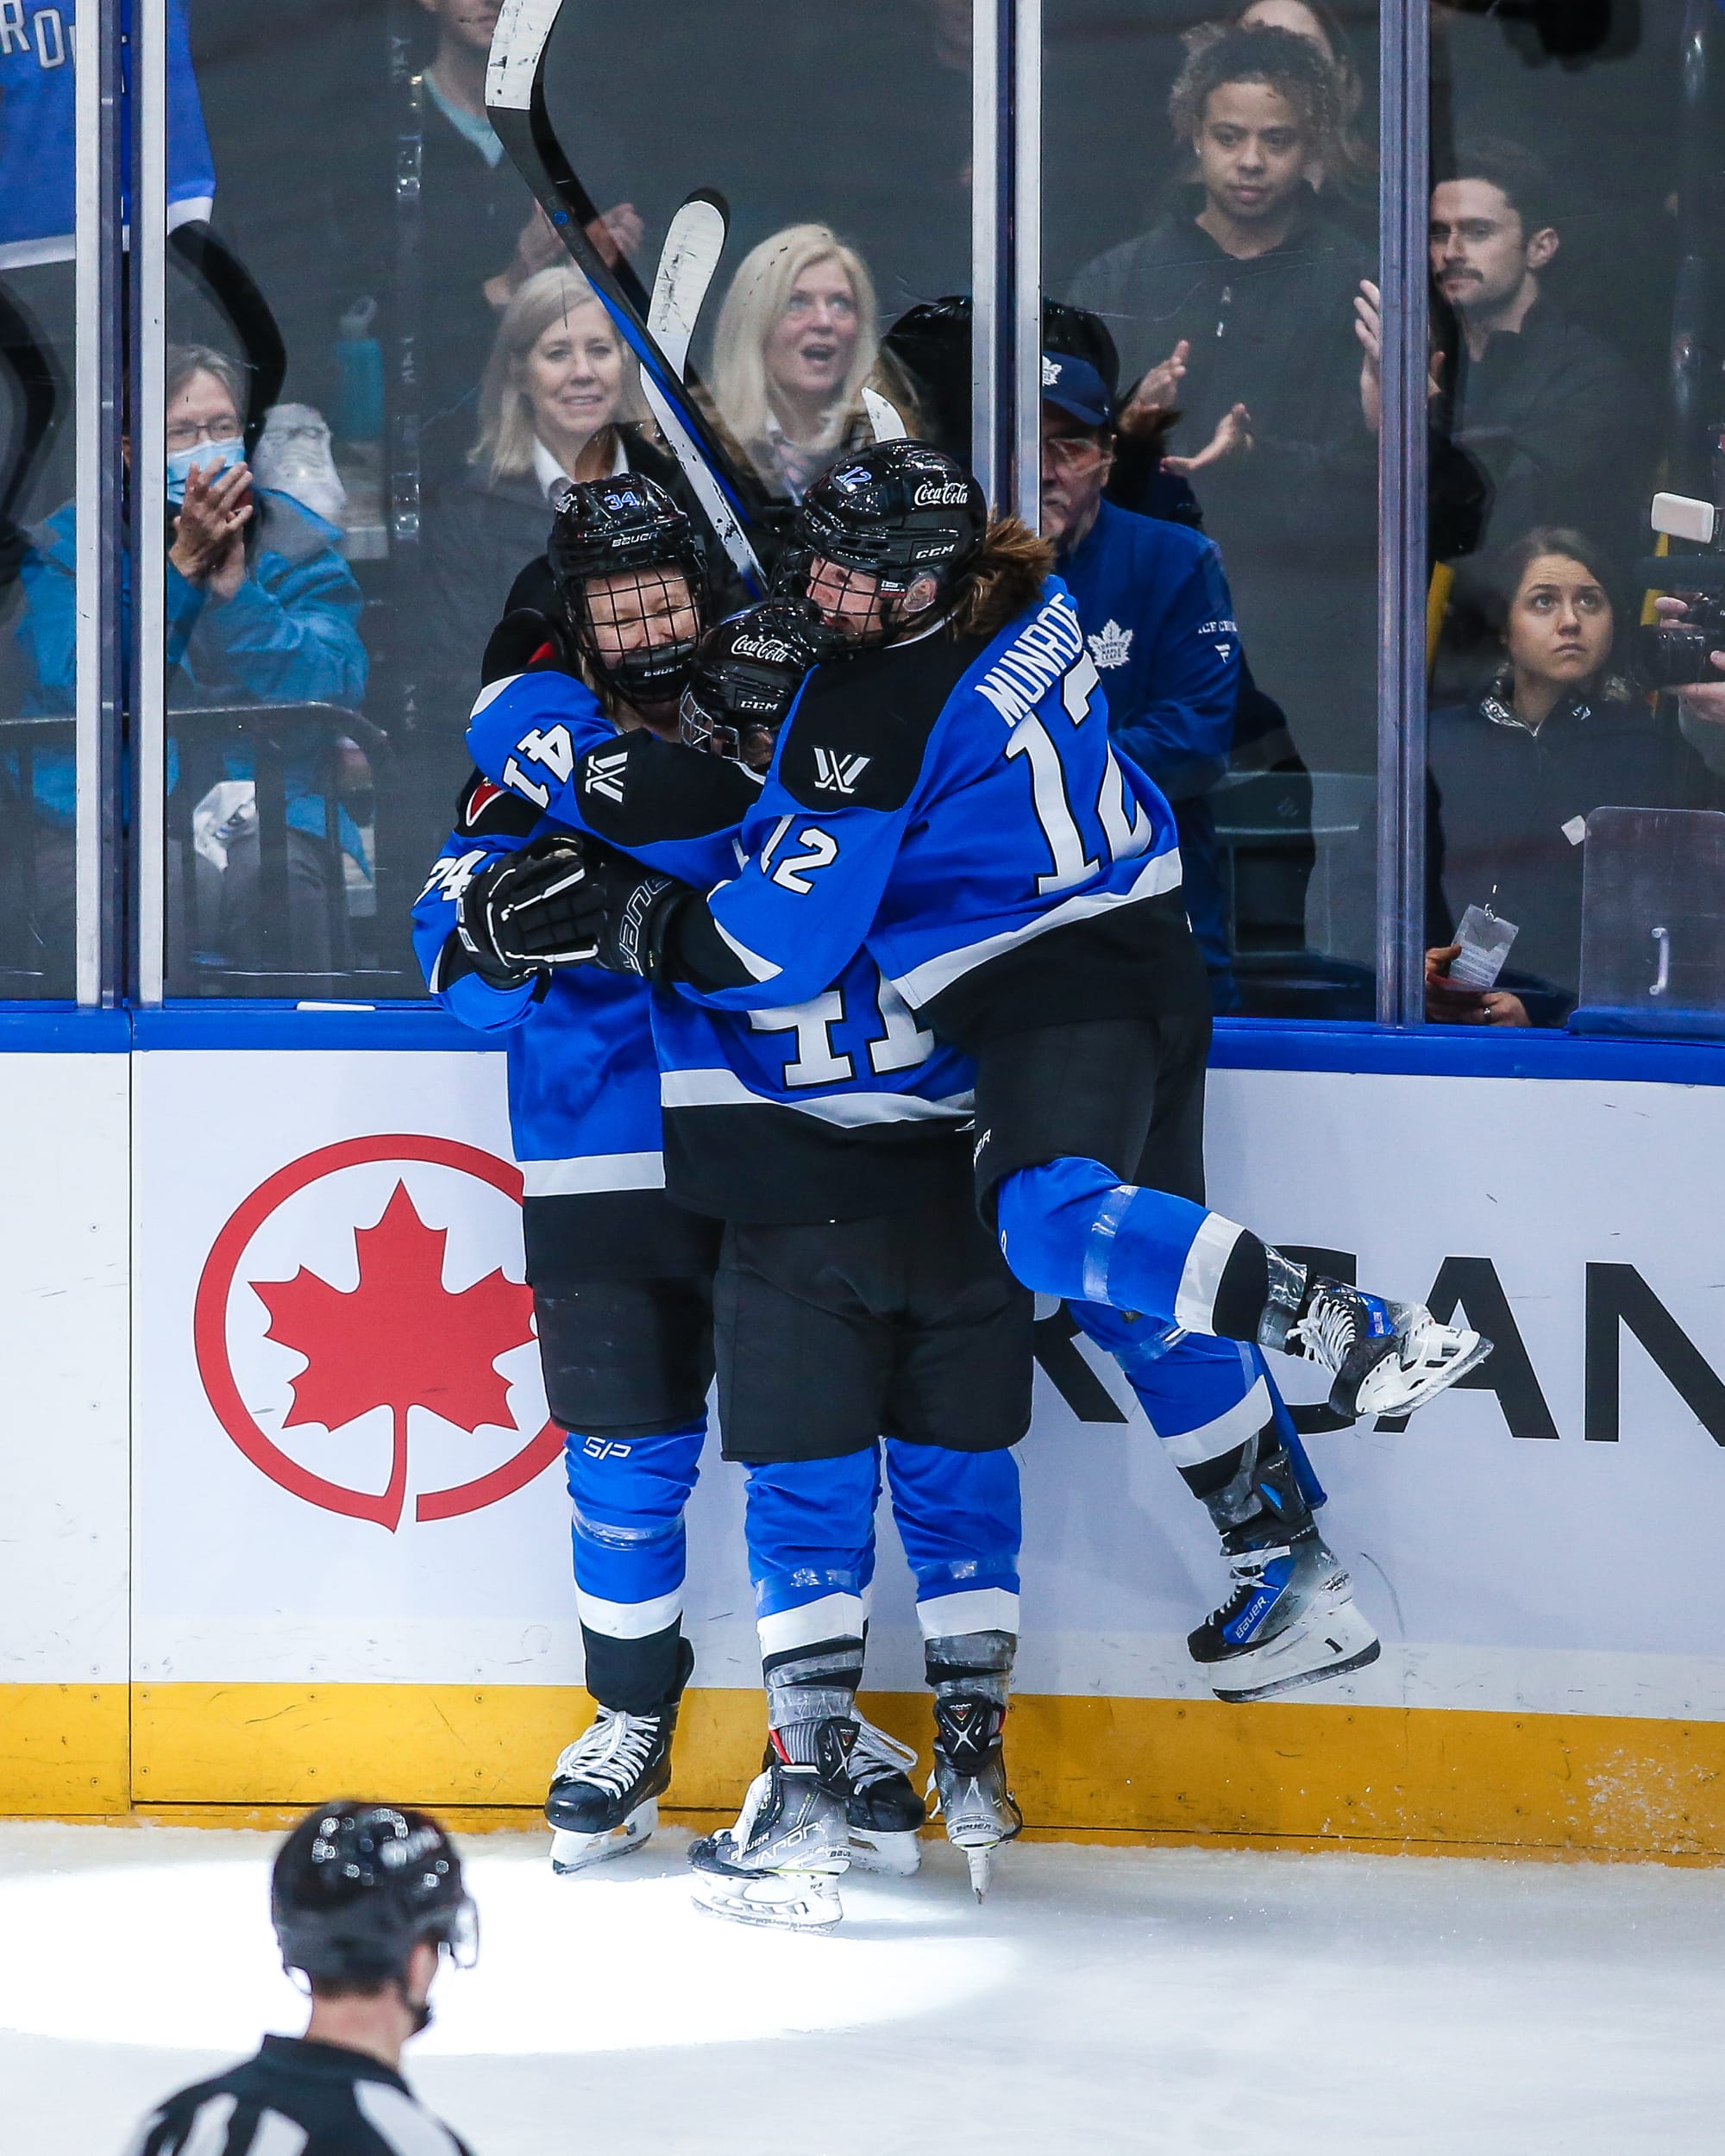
[941, 494]
[765, 648]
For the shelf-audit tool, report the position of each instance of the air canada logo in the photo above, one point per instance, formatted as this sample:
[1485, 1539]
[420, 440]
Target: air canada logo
[360, 1338]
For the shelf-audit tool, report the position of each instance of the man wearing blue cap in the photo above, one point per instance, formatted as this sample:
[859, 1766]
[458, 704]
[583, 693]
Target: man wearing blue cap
[1158, 619]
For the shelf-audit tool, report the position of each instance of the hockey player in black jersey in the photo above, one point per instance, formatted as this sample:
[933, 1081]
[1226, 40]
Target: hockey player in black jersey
[367, 1901]
[622, 1277]
[863, 1324]
[948, 800]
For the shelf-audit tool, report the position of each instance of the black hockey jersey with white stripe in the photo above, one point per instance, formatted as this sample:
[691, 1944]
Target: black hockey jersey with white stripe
[298, 2098]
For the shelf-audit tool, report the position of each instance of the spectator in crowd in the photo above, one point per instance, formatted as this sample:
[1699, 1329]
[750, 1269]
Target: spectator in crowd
[481, 234]
[1513, 778]
[1547, 409]
[1348, 180]
[1236, 307]
[560, 400]
[1158, 618]
[260, 610]
[796, 358]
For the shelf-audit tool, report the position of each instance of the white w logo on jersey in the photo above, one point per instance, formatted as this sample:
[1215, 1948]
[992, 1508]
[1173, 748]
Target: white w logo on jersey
[605, 773]
[838, 775]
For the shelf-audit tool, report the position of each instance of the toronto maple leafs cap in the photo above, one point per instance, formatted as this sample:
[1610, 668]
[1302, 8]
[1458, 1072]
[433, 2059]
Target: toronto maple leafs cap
[1074, 386]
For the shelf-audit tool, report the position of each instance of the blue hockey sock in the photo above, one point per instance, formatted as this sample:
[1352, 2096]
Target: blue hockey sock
[1071, 1228]
[628, 1495]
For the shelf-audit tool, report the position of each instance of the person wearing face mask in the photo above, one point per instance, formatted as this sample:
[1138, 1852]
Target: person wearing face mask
[796, 359]
[260, 608]
[1514, 775]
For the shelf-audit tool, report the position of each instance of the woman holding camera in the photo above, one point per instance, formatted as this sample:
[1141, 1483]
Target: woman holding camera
[1512, 778]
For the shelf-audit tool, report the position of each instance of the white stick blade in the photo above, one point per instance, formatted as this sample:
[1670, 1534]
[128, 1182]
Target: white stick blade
[520, 37]
[686, 267]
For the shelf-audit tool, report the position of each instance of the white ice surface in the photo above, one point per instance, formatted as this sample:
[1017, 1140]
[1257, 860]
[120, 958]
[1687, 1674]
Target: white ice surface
[1102, 2000]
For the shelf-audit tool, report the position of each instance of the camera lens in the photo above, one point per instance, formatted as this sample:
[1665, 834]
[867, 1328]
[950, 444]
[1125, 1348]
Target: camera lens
[1673, 655]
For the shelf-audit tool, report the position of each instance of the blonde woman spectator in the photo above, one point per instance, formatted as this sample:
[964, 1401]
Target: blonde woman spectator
[796, 358]
[560, 400]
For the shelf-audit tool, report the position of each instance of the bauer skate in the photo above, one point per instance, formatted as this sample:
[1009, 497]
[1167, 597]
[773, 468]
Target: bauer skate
[1388, 1357]
[603, 1799]
[1291, 1620]
[778, 1866]
[969, 1780]
[885, 1813]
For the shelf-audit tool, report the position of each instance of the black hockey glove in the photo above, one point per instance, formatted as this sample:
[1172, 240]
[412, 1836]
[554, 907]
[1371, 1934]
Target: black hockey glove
[627, 910]
[523, 914]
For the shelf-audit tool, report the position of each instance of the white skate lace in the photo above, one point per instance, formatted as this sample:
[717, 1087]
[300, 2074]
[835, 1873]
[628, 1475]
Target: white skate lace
[1328, 1330]
[874, 1755]
[613, 1754]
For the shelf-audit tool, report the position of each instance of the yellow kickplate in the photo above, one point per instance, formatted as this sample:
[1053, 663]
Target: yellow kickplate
[1294, 1774]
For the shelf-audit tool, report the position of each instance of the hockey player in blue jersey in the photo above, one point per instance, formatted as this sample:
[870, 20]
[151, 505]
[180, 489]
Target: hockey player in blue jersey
[621, 1276]
[948, 798]
[862, 1319]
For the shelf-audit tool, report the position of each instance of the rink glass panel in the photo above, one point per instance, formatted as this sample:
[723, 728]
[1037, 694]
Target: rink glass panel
[367, 288]
[1278, 825]
[1609, 391]
[37, 691]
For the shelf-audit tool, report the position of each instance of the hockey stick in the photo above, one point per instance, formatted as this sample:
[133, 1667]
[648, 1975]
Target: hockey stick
[515, 103]
[687, 264]
[882, 416]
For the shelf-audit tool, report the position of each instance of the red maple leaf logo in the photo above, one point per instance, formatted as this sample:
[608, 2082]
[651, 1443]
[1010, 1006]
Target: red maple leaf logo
[400, 1339]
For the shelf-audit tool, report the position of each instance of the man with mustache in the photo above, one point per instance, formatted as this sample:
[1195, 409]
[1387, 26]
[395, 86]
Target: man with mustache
[1546, 408]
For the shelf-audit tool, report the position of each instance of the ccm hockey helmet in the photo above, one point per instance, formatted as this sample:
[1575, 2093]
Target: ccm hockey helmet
[896, 511]
[628, 538]
[357, 1887]
[746, 676]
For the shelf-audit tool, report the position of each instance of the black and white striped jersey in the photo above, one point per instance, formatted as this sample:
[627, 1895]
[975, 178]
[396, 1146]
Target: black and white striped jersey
[298, 2099]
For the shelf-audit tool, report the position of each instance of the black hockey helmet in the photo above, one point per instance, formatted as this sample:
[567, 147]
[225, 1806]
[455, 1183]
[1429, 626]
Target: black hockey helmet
[357, 1887]
[897, 511]
[746, 676]
[627, 526]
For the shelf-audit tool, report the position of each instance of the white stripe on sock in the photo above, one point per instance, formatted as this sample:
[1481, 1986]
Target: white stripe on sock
[630, 1620]
[1195, 1301]
[977, 1609]
[1191, 1448]
[834, 1617]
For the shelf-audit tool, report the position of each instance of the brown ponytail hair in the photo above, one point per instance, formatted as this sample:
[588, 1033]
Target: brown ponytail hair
[1005, 578]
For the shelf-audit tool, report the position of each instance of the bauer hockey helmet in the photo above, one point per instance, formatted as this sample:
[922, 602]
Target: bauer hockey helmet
[357, 1887]
[628, 527]
[897, 511]
[746, 676]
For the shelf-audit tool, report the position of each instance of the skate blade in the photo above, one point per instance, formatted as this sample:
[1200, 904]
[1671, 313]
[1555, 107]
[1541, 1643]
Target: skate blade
[1326, 1647]
[982, 1862]
[777, 1900]
[888, 1856]
[572, 1852]
[1434, 1381]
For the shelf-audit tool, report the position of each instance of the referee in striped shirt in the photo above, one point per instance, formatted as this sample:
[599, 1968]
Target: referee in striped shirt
[367, 1899]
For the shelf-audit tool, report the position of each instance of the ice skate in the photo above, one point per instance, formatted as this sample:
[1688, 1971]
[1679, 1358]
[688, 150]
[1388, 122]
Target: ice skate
[885, 1811]
[603, 1789]
[1388, 1357]
[1291, 1620]
[969, 1780]
[780, 1865]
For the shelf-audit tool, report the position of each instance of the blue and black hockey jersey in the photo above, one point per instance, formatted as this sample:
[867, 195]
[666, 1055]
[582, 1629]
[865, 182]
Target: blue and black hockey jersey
[38, 101]
[838, 1109]
[956, 808]
[583, 1075]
